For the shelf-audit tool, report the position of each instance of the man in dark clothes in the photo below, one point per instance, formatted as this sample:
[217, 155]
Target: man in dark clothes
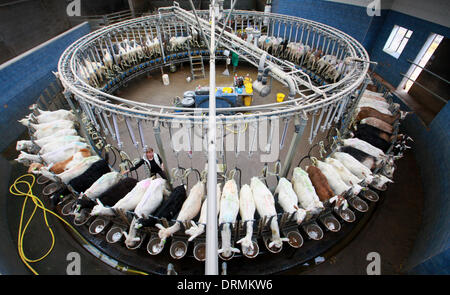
[153, 162]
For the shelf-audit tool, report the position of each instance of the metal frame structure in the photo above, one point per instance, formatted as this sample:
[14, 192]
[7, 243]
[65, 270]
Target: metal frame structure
[309, 97]
[306, 96]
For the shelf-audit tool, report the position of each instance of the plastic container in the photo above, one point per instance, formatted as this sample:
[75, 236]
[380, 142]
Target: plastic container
[188, 99]
[178, 249]
[165, 79]
[280, 97]
[227, 90]
[247, 101]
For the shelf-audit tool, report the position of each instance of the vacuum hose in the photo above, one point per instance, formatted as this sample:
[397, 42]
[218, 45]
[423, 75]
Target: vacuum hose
[28, 194]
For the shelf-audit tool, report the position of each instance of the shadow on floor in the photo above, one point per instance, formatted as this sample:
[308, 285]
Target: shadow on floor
[391, 232]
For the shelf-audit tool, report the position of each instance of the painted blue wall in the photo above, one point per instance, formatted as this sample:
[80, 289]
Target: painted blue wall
[430, 254]
[23, 80]
[371, 32]
[388, 66]
[350, 19]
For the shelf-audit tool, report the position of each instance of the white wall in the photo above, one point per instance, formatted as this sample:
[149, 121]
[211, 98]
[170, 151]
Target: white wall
[436, 11]
[385, 4]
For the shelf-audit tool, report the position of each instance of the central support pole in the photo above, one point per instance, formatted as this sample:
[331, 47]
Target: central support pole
[211, 263]
[350, 111]
[300, 124]
[162, 153]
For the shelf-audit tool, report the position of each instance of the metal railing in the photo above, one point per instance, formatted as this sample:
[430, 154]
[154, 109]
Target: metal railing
[101, 20]
[444, 100]
[308, 32]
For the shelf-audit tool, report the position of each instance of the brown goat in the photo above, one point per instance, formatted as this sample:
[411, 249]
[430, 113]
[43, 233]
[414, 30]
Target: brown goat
[60, 167]
[320, 183]
[371, 88]
[34, 166]
[366, 112]
[380, 124]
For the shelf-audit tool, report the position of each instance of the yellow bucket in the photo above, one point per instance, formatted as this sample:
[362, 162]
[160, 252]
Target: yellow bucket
[227, 90]
[248, 87]
[280, 97]
[247, 101]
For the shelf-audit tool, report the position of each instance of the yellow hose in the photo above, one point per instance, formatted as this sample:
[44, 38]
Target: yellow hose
[38, 204]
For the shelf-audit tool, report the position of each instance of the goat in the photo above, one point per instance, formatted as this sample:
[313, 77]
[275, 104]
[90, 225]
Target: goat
[56, 156]
[109, 197]
[148, 204]
[62, 166]
[265, 205]
[347, 177]
[189, 210]
[247, 211]
[49, 117]
[95, 190]
[198, 228]
[35, 146]
[365, 159]
[287, 198]
[377, 123]
[62, 124]
[320, 183]
[366, 128]
[229, 209]
[366, 112]
[365, 147]
[179, 43]
[127, 203]
[366, 133]
[307, 196]
[71, 173]
[94, 172]
[354, 166]
[54, 131]
[168, 209]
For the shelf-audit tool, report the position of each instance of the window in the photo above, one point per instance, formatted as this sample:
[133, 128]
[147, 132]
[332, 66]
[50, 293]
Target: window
[422, 59]
[397, 41]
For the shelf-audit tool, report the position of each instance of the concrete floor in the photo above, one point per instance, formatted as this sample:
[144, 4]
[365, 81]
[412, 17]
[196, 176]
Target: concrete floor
[141, 89]
[151, 90]
[391, 231]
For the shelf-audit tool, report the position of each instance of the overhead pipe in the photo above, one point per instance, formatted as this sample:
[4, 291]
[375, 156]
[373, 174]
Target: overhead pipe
[263, 72]
[286, 78]
[258, 84]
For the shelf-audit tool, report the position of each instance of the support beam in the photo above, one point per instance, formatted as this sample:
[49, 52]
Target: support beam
[131, 5]
[224, 25]
[349, 115]
[212, 263]
[158, 31]
[162, 153]
[300, 124]
[68, 97]
[201, 28]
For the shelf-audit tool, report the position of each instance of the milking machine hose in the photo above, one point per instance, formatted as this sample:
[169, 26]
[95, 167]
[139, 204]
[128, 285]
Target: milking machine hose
[39, 204]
